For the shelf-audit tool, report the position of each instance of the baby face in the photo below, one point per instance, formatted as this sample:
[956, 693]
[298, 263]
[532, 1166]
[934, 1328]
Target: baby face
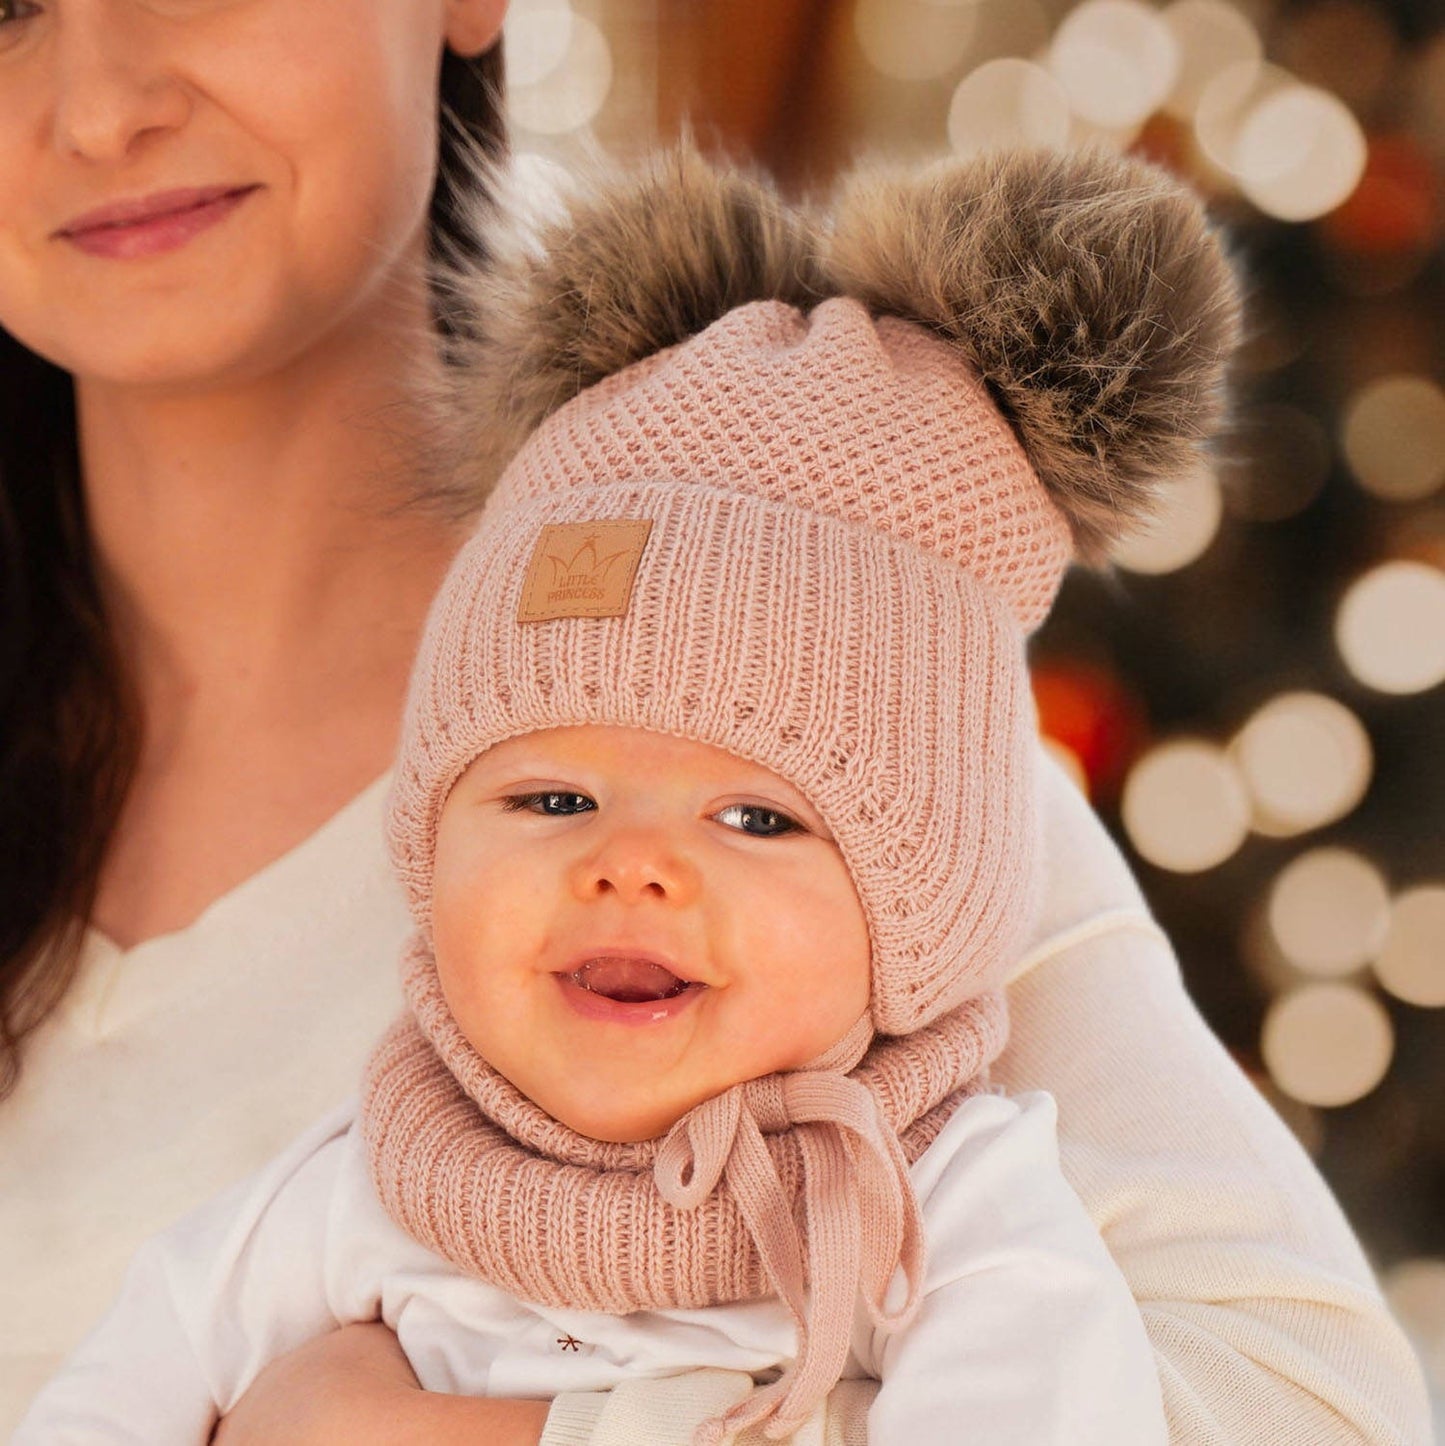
[627, 923]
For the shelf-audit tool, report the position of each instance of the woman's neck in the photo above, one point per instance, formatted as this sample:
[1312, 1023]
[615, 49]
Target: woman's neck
[254, 541]
[266, 582]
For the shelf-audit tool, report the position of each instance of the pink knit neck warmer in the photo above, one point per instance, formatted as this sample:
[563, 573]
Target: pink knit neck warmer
[793, 1186]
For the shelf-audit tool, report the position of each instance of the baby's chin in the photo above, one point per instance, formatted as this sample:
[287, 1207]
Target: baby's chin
[615, 1123]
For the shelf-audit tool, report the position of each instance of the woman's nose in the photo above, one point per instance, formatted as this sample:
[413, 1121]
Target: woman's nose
[115, 85]
[637, 863]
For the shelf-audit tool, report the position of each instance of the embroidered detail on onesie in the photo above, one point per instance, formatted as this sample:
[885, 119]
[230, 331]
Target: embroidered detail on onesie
[583, 570]
[569, 1343]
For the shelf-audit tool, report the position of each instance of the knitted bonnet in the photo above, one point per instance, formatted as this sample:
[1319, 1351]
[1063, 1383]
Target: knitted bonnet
[799, 486]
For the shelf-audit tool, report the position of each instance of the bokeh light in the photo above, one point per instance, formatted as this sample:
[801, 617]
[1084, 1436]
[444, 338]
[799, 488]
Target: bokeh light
[1185, 806]
[1328, 911]
[1327, 1044]
[1394, 437]
[1384, 233]
[1277, 462]
[570, 94]
[1390, 627]
[1210, 36]
[1008, 102]
[1086, 709]
[1298, 153]
[1116, 60]
[1411, 961]
[1307, 760]
[1226, 100]
[915, 39]
[1181, 530]
[538, 34]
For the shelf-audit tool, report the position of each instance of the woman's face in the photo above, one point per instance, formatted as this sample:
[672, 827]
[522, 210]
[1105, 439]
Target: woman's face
[279, 155]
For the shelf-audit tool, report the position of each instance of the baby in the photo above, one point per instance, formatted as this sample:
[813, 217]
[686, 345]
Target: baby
[715, 813]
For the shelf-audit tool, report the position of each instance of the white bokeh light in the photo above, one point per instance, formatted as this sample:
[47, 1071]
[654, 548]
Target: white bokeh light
[1211, 35]
[1185, 807]
[572, 93]
[1007, 102]
[1116, 60]
[1390, 627]
[1327, 1044]
[1411, 961]
[914, 39]
[1181, 530]
[1226, 100]
[1299, 153]
[1328, 911]
[1307, 760]
[537, 34]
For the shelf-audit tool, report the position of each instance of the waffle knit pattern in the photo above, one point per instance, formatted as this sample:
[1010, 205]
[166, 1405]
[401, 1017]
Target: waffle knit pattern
[847, 550]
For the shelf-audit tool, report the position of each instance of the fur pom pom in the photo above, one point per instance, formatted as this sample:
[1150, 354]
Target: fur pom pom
[1088, 292]
[626, 264]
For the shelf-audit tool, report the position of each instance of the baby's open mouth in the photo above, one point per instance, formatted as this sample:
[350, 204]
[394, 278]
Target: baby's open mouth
[629, 981]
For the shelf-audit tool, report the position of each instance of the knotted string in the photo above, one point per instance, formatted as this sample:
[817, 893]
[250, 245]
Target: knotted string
[861, 1217]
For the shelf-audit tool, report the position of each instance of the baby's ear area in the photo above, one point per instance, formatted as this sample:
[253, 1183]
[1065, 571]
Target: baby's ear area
[1089, 292]
[621, 264]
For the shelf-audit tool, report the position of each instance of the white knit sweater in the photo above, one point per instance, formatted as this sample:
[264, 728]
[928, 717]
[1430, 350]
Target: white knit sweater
[183, 1064]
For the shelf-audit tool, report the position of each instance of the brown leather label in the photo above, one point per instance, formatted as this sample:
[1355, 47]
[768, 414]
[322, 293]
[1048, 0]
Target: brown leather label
[583, 570]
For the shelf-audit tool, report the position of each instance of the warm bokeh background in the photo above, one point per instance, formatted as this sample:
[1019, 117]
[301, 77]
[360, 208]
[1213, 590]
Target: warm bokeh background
[1255, 699]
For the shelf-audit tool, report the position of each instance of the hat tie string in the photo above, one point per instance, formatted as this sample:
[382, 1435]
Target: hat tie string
[861, 1218]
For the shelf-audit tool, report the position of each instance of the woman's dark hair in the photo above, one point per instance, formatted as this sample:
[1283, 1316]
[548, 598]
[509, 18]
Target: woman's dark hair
[70, 730]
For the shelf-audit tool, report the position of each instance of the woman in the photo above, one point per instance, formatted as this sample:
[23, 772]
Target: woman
[214, 222]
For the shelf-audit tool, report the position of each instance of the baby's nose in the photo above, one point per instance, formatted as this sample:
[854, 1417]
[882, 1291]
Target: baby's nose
[638, 863]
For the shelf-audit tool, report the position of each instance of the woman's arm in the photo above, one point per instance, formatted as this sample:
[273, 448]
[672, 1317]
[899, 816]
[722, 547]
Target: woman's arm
[1266, 1322]
[354, 1385]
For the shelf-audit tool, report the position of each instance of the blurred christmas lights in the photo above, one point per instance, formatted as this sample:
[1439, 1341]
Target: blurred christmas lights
[1327, 1044]
[1116, 60]
[1307, 760]
[1211, 36]
[1181, 530]
[1185, 806]
[1328, 911]
[1411, 962]
[1393, 435]
[1390, 627]
[537, 34]
[1092, 718]
[569, 93]
[914, 39]
[1007, 102]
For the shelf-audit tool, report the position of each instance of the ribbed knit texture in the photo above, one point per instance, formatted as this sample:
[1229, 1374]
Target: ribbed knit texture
[846, 549]
[792, 1186]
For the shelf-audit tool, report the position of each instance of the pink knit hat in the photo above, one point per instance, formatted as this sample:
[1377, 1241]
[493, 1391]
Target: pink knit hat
[803, 494]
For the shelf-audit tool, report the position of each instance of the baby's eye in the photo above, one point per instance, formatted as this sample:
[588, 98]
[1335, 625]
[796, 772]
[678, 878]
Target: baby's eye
[762, 822]
[17, 10]
[555, 805]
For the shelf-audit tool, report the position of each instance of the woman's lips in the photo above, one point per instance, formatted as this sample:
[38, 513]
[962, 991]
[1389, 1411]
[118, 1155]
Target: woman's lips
[626, 989]
[155, 225]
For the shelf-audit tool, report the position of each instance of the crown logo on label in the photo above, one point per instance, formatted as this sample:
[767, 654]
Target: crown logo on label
[583, 570]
